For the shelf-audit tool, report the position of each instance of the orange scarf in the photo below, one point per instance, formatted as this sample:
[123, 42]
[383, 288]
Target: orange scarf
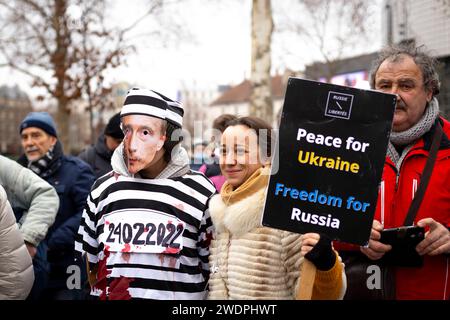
[259, 179]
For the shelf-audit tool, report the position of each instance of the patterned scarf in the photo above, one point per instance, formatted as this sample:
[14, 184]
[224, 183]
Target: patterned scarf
[409, 137]
[49, 163]
[259, 179]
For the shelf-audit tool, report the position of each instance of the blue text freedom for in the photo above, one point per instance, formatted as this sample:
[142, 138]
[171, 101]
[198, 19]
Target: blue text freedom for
[316, 197]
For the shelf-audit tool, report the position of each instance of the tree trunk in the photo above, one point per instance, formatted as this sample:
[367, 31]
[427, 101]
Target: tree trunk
[262, 28]
[63, 126]
[58, 59]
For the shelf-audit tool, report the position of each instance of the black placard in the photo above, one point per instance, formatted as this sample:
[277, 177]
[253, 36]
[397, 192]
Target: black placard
[332, 145]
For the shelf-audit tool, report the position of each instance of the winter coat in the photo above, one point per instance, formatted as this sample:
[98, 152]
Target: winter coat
[16, 268]
[29, 192]
[98, 157]
[432, 281]
[248, 261]
[72, 179]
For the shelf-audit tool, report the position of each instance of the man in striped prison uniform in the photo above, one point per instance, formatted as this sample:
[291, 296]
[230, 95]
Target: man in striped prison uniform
[146, 228]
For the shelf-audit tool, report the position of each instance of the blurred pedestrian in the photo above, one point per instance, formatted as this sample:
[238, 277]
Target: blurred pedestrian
[72, 179]
[98, 156]
[211, 169]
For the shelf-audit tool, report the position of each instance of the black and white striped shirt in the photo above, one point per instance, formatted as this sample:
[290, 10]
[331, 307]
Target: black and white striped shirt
[148, 238]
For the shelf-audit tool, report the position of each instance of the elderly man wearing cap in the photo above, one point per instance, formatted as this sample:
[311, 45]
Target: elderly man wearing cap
[99, 155]
[146, 228]
[72, 179]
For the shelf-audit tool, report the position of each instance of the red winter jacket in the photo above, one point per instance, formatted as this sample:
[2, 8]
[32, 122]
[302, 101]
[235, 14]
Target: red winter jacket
[432, 281]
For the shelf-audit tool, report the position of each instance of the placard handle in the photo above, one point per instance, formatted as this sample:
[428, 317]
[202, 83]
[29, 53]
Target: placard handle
[308, 275]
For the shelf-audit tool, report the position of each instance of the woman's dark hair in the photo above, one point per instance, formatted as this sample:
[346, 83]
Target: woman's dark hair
[263, 131]
[221, 122]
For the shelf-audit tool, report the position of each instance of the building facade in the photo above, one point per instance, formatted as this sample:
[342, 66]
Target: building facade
[14, 106]
[236, 100]
[196, 120]
[425, 22]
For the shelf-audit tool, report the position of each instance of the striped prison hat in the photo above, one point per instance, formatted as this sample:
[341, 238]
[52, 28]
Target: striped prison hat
[151, 103]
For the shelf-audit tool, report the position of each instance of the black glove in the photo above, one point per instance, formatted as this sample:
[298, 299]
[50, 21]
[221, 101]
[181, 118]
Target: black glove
[322, 255]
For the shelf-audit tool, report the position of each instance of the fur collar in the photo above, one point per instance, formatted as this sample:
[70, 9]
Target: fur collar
[240, 217]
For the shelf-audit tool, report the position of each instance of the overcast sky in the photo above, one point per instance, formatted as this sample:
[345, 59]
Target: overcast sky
[219, 53]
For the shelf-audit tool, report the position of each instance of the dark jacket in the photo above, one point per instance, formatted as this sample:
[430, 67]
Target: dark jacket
[72, 180]
[98, 156]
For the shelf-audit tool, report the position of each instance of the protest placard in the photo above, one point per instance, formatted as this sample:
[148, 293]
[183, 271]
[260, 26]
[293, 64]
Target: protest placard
[332, 145]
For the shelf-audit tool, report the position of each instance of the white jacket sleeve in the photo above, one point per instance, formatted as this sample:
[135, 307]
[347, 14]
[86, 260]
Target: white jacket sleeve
[16, 267]
[28, 191]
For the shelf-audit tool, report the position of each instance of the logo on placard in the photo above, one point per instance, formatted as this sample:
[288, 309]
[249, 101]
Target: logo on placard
[339, 105]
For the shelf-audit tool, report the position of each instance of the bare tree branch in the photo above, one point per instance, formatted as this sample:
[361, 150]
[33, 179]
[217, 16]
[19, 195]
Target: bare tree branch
[66, 55]
[332, 27]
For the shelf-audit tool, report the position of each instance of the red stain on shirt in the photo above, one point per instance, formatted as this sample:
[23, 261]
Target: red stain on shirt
[207, 241]
[161, 257]
[118, 289]
[102, 273]
[126, 248]
[171, 250]
[126, 256]
[172, 262]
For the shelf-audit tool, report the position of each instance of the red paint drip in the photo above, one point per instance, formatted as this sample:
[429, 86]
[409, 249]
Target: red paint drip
[161, 258]
[171, 250]
[172, 262]
[126, 248]
[126, 256]
[107, 222]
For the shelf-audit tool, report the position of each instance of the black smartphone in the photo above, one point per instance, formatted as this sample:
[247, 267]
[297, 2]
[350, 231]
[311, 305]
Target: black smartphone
[403, 241]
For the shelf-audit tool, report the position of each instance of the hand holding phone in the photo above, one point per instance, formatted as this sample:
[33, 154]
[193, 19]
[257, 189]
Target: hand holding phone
[403, 241]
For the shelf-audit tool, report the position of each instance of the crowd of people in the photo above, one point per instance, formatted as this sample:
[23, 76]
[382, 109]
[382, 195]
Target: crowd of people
[139, 221]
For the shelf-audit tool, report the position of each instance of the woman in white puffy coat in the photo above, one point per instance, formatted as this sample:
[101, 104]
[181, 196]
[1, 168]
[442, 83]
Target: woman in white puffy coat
[16, 267]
